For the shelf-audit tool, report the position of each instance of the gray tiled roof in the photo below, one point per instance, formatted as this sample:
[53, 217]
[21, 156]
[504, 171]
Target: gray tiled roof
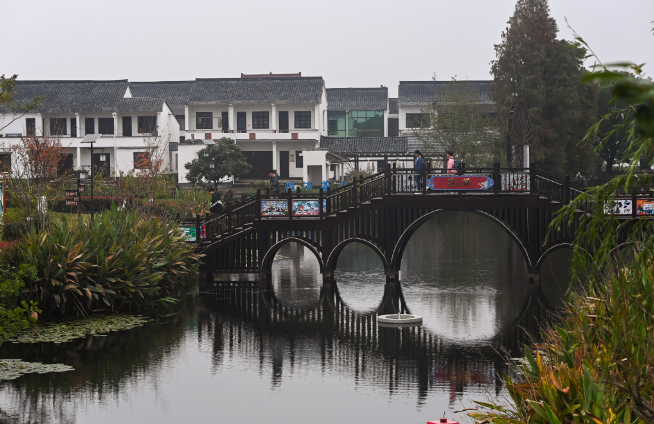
[140, 104]
[176, 93]
[257, 90]
[357, 98]
[72, 96]
[422, 93]
[364, 145]
[393, 108]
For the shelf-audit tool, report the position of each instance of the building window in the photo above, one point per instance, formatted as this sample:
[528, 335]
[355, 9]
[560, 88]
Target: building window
[303, 119]
[30, 126]
[260, 120]
[147, 124]
[106, 126]
[89, 125]
[417, 120]
[141, 160]
[365, 123]
[204, 120]
[5, 162]
[73, 127]
[57, 126]
[299, 159]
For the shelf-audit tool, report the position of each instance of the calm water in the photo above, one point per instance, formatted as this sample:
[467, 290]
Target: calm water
[307, 352]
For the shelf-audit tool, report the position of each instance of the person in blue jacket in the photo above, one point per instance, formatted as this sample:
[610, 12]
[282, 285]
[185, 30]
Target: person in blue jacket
[419, 165]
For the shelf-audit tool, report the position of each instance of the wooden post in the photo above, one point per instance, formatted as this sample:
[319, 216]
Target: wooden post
[229, 216]
[197, 228]
[259, 204]
[497, 178]
[354, 192]
[394, 179]
[634, 201]
[243, 196]
[321, 196]
[566, 189]
[290, 203]
[423, 177]
[361, 196]
[532, 178]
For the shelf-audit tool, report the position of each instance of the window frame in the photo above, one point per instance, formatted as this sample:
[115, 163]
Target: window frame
[103, 126]
[422, 119]
[259, 119]
[203, 120]
[30, 126]
[86, 126]
[142, 121]
[137, 157]
[56, 124]
[301, 119]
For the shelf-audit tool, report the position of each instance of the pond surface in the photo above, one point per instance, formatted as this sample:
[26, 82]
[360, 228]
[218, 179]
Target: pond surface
[304, 351]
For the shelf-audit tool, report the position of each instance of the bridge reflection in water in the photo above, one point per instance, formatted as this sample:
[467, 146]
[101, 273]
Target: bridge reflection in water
[247, 320]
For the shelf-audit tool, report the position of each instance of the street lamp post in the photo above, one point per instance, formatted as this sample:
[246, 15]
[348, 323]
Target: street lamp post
[91, 138]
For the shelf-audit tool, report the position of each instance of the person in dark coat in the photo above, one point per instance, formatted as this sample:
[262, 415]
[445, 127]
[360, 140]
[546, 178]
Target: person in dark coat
[274, 182]
[420, 163]
[216, 202]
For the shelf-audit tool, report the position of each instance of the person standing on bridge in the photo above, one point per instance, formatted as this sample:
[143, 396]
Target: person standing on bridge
[216, 202]
[274, 182]
[420, 163]
[451, 163]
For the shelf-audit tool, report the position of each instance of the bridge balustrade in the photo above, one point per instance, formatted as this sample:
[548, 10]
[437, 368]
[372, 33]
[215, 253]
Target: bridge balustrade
[392, 181]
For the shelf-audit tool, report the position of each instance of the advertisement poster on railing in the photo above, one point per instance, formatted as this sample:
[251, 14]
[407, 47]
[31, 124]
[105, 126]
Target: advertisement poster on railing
[308, 207]
[645, 207]
[189, 233]
[274, 208]
[619, 207]
[516, 182]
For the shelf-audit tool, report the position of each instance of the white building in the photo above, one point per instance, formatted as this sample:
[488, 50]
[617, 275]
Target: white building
[72, 109]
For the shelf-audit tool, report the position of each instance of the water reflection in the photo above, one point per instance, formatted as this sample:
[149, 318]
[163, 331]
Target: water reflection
[303, 348]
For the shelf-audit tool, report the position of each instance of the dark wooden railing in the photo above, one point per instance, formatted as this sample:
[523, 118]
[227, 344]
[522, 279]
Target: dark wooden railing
[239, 215]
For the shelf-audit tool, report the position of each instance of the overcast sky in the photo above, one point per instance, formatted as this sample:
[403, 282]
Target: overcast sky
[350, 43]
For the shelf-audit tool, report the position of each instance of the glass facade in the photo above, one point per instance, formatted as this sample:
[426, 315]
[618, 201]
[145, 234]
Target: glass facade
[356, 123]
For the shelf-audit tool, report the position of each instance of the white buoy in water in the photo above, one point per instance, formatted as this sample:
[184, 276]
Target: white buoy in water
[399, 320]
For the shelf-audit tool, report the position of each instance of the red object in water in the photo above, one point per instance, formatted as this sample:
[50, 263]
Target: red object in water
[443, 421]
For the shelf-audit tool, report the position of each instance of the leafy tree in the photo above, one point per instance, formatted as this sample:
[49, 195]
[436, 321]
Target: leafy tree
[226, 158]
[533, 65]
[456, 121]
[612, 114]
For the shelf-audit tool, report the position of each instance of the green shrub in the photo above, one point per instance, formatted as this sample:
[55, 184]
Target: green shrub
[117, 261]
[13, 306]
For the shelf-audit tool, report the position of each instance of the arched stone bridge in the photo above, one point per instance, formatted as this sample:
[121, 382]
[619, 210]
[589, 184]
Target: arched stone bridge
[383, 211]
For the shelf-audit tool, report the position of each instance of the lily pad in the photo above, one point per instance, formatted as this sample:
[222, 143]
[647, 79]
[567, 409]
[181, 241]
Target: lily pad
[11, 369]
[65, 331]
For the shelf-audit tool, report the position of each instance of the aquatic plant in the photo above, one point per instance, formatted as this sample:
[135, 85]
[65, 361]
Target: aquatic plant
[11, 369]
[116, 261]
[71, 329]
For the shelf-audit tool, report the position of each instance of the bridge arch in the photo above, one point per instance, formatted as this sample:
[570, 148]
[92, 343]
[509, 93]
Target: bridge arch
[330, 263]
[398, 250]
[266, 262]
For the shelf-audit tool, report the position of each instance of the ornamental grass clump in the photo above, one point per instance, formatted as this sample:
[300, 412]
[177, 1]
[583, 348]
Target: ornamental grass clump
[118, 261]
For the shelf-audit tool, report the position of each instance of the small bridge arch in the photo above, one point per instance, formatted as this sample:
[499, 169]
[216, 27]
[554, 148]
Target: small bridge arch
[268, 258]
[332, 260]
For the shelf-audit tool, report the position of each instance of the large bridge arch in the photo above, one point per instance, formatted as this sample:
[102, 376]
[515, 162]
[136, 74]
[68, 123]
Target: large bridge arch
[330, 263]
[398, 250]
[266, 262]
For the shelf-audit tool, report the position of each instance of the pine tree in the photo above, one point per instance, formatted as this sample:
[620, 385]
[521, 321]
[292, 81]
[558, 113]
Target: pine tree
[533, 65]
